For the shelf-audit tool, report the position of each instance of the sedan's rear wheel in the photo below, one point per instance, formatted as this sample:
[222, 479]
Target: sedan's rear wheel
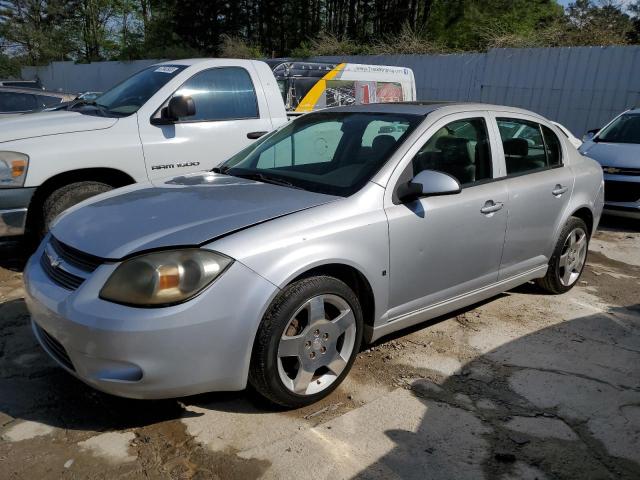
[569, 258]
[307, 341]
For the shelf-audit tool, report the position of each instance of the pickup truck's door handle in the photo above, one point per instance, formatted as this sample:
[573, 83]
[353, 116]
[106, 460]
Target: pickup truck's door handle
[254, 135]
[491, 207]
[559, 190]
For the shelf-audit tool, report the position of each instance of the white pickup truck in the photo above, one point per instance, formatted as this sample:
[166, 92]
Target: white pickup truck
[172, 118]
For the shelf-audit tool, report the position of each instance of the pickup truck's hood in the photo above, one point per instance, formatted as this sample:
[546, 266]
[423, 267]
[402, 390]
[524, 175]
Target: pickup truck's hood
[621, 155]
[50, 123]
[185, 211]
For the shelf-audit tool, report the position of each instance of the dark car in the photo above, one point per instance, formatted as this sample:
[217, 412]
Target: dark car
[14, 101]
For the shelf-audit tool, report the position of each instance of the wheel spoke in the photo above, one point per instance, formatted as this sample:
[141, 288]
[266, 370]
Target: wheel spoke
[567, 275]
[563, 260]
[316, 309]
[344, 321]
[289, 346]
[572, 239]
[302, 380]
[337, 365]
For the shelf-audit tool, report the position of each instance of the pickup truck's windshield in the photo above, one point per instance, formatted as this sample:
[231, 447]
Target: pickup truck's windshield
[327, 152]
[625, 129]
[127, 97]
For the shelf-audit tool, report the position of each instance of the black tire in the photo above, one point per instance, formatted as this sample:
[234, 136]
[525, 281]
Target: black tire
[551, 282]
[263, 373]
[65, 197]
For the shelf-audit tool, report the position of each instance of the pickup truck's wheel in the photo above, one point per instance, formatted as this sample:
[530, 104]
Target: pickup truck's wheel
[65, 197]
[307, 342]
[568, 259]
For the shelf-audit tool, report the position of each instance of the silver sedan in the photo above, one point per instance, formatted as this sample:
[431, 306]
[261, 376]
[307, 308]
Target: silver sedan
[339, 228]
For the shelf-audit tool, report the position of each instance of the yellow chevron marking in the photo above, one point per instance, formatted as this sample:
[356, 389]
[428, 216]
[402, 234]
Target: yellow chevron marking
[311, 98]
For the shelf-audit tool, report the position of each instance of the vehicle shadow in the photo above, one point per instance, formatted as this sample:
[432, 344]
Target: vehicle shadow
[619, 224]
[562, 402]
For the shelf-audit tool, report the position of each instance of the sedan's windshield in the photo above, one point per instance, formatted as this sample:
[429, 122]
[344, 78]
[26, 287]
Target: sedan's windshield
[625, 129]
[127, 97]
[327, 152]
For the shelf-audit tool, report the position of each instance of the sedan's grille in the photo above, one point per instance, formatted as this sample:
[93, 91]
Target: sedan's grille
[55, 348]
[61, 277]
[621, 191]
[70, 255]
[621, 171]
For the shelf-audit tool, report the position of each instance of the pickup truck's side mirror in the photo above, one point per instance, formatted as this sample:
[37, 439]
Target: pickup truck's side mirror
[179, 106]
[428, 183]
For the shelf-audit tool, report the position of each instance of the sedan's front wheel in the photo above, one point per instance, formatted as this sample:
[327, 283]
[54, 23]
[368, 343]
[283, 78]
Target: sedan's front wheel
[568, 259]
[307, 341]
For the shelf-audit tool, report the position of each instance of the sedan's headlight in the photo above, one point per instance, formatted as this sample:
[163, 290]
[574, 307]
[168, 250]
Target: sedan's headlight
[13, 169]
[164, 278]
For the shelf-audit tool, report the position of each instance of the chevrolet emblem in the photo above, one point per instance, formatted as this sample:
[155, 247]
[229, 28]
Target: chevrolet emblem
[54, 261]
[612, 170]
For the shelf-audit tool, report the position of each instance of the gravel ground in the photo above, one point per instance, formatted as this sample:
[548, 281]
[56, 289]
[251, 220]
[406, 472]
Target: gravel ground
[525, 385]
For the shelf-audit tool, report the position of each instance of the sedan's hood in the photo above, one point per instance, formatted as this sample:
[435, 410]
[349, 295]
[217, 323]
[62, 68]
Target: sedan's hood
[622, 155]
[50, 123]
[185, 211]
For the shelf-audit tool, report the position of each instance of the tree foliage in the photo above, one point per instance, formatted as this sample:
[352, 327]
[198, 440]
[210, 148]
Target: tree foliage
[40, 31]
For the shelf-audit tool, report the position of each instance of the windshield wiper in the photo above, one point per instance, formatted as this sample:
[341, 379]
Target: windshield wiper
[261, 177]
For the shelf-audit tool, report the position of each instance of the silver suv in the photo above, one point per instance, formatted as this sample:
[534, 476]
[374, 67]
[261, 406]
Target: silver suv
[341, 227]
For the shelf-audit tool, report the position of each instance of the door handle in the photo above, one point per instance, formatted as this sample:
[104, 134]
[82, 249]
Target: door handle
[491, 207]
[254, 135]
[559, 190]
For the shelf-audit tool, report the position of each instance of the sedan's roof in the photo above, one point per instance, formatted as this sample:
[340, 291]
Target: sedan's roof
[426, 107]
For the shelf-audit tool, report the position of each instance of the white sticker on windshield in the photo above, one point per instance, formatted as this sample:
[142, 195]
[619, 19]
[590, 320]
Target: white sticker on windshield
[166, 69]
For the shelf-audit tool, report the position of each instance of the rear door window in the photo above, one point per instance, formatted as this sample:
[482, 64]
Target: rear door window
[523, 145]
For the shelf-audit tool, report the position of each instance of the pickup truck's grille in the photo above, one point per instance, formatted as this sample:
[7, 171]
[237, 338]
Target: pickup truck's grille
[78, 259]
[58, 275]
[621, 191]
[54, 348]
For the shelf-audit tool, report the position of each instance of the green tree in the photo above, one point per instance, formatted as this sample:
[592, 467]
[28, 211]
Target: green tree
[37, 29]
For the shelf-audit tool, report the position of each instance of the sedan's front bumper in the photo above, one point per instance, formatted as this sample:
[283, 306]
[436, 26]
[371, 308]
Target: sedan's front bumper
[14, 203]
[199, 346]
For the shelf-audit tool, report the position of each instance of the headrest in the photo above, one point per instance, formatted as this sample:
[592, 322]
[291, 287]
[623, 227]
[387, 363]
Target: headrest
[382, 143]
[448, 142]
[515, 146]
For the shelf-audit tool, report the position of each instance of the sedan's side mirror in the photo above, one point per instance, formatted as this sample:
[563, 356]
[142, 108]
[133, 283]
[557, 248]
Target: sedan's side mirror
[428, 183]
[179, 107]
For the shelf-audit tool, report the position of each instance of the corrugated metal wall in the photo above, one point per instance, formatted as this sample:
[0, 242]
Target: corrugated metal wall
[581, 87]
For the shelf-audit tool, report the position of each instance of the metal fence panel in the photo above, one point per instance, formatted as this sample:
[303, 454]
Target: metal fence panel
[580, 87]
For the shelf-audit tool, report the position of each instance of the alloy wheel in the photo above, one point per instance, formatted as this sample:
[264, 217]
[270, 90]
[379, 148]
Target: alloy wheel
[573, 256]
[316, 344]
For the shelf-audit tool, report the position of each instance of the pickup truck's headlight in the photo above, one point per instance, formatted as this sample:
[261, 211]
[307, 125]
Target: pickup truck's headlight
[164, 278]
[13, 169]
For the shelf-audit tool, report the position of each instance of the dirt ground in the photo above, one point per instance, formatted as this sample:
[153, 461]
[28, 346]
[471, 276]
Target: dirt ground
[524, 386]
